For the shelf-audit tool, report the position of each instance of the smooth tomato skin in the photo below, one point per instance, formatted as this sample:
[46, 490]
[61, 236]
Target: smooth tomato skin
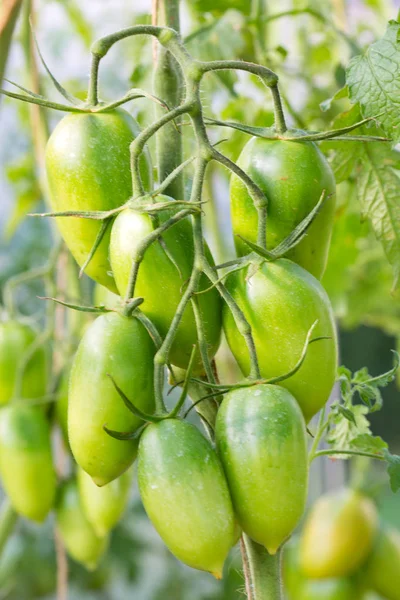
[185, 494]
[104, 506]
[162, 284]
[281, 301]
[88, 168]
[261, 439]
[382, 570]
[79, 538]
[293, 176]
[26, 464]
[338, 534]
[15, 341]
[119, 346]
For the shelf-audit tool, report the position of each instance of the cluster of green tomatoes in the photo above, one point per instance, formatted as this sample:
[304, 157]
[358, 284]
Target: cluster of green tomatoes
[199, 495]
[343, 552]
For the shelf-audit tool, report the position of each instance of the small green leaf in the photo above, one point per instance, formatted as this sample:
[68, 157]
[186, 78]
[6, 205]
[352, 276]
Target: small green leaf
[368, 443]
[347, 413]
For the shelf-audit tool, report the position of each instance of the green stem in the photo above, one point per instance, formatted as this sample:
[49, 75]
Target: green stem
[348, 452]
[8, 520]
[168, 85]
[280, 124]
[262, 571]
[92, 97]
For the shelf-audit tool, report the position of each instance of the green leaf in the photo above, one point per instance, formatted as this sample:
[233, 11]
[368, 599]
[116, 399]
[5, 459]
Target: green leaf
[344, 156]
[369, 443]
[374, 80]
[393, 470]
[340, 94]
[379, 192]
[345, 429]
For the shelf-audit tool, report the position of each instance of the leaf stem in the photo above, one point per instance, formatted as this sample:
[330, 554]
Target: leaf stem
[262, 571]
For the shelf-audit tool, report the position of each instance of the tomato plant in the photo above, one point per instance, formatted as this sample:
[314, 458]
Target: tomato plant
[145, 349]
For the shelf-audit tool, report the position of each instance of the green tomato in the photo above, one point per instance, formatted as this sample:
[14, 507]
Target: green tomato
[185, 494]
[102, 296]
[26, 464]
[88, 169]
[261, 438]
[104, 506]
[293, 176]
[382, 571]
[162, 278]
[119, 346]
[79, 538]
[338, 535]
[16, 341]
[281, 301]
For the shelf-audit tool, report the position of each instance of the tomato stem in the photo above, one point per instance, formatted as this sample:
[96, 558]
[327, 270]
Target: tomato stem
[92, 96]
[262, 571]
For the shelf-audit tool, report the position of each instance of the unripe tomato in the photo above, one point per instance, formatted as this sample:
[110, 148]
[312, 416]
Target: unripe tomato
[261, 438]
[15, 341]
[162, 278]
[338, 535]
[293, 176]
[281, 301]
[104, 506]
[88, 169]
[382, 571]
[80, 539]
[26, 464]
[119, 346]
[102, 296]
[185, 494]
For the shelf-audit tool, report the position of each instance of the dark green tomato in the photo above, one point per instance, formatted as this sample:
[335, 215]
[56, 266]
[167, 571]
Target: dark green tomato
[119, 346]
[338, 535]
[88, 168]
[281, 301]
[79, 538]
[382, 570]
[185, 494]
[104, 506]
[162, 278]
[16, 340]
[261, 438]
[293, 176]
[26, 464]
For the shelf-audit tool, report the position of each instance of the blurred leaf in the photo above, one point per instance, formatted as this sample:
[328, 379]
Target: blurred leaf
[344, 430]
[369, 443]
[22, 175]
[393, 470]
[344, 156]
[374, 80]
[78, 20]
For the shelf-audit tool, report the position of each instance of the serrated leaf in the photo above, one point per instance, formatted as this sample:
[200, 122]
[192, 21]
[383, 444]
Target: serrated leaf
[345, 373]
[369, 443]
[379, 192]
[347, 414]
[374, 80]
[393, 470]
